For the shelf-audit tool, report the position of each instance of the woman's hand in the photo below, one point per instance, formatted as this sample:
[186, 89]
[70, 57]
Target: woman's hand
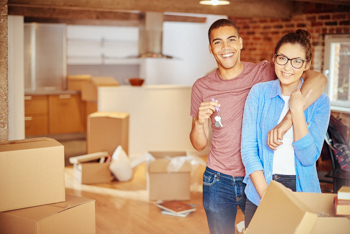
[297, 101]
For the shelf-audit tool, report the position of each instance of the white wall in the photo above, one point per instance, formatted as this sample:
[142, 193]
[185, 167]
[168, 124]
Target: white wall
[188, 44]
[16, 77]
[159, 116]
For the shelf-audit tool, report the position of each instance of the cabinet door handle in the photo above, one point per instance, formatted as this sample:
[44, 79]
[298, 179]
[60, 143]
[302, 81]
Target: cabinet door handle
[28, 118]
[64, 96]
[27, 97]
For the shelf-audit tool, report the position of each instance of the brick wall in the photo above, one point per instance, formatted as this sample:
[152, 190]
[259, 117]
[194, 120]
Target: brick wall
[3, 72]
[260, 35]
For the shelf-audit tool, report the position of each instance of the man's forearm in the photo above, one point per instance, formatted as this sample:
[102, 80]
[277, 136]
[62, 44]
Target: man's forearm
[315, 81]
[199, 135]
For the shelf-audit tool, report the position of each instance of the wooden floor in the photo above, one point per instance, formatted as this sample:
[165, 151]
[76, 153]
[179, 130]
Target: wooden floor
[123, 207]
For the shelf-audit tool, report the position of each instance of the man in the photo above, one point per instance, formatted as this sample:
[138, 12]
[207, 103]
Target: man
[220, 96]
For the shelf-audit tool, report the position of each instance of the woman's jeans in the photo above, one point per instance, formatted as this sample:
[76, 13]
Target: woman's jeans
[287, 180]
[221, 196]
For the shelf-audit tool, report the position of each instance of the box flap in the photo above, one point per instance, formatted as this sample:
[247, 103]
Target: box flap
[87, 157]
[162, 154]
[280, 211]
[104, 81]
[32, 143]
[79, 77]
[326, 225]
[38, 213]
[161, 166]
[119, 115]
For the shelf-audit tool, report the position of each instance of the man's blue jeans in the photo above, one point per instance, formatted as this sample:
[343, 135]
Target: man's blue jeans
[221, 195]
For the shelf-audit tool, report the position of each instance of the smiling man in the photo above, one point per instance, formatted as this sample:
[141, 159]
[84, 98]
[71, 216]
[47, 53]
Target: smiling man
[220, 96]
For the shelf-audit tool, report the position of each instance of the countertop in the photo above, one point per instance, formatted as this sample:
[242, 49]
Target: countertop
[29, 92]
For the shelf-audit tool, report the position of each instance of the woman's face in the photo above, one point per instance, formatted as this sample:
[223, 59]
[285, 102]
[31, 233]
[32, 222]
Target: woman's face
[287, 74]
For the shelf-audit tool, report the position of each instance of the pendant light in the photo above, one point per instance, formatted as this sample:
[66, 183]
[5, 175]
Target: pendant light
[214, 2]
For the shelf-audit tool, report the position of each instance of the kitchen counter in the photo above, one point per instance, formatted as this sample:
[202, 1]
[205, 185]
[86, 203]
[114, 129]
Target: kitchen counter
[49, 92]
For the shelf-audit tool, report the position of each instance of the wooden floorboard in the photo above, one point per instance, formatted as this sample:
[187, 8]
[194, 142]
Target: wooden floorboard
[123, 207]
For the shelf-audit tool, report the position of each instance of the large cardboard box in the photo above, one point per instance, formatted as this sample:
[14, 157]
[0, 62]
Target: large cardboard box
[88, 168]
[74, 216]
[164, 184]
[106, 131]
[31, 173]
[76, 82]
[89, 89]
[282, 211]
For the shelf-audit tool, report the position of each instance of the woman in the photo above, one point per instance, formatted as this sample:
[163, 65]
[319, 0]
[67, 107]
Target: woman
[293, 163]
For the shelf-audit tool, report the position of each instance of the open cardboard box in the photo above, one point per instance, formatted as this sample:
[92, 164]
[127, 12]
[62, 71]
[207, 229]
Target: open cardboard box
[74, 216]
[282, 211]
[76, 82]
[165, 185]
[31, 173]
[106, 131]
[89, 170]
[89, 89]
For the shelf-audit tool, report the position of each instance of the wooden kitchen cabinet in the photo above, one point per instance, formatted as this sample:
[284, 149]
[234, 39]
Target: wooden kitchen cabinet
[66, 114]
[36, 115]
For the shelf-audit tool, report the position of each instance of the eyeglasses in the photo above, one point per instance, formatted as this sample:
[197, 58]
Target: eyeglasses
[295, 62]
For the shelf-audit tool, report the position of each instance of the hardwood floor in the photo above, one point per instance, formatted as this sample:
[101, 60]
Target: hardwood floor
[123, 207]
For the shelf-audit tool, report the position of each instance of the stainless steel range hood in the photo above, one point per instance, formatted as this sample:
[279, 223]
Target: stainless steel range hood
[151, 36]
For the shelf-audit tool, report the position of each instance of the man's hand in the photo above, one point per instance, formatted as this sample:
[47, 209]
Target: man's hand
[206, 109]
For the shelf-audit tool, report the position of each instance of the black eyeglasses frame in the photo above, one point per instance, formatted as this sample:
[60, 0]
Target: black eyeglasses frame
[288, 59]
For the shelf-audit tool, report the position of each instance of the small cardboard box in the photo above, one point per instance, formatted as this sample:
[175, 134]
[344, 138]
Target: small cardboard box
[88, 169]
[106, 131]
[74, 216]
[31, 173]
[282, 211]
[89, 89]
[75, 82]
[165, 185]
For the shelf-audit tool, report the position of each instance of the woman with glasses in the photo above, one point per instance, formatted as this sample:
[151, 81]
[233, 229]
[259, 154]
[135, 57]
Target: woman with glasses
[292, 161]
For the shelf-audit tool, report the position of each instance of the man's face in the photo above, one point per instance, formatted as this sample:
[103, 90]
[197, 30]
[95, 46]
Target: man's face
[225, 45]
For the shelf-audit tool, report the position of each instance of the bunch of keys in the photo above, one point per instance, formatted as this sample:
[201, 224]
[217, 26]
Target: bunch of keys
[218, 122]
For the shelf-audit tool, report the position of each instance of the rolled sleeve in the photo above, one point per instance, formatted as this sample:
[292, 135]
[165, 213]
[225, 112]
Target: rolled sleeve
[304, 150]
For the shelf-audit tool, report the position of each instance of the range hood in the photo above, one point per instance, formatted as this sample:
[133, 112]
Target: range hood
[151, 36]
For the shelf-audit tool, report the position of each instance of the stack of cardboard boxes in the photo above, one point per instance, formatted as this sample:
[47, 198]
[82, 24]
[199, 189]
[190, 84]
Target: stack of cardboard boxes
[32, 185]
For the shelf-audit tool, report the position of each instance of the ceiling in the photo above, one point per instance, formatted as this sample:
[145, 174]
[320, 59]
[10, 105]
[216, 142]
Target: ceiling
[129, 12]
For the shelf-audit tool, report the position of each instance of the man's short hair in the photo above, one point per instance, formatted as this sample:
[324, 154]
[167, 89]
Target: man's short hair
[221, 23]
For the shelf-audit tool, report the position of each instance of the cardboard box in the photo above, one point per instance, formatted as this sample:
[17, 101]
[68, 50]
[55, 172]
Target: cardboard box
[75, 82]
[74, 216]
[106, 131]
[88, 169]
[165, 185]
[282, 211]
[31, 173]
[89, 89]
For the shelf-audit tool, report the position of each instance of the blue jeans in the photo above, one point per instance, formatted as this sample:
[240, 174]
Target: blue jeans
[221, 196]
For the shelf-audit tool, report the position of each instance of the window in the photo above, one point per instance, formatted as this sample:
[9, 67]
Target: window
[337, 70]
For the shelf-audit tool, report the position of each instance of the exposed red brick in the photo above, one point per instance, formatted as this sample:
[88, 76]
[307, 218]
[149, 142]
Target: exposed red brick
[311, 18]
[289, 25]
[263, 20]
[331, 23]
[264, 33]
[316, 23]
[347, 30]
[267, 27]
[274, 32]
[339, 16]
[275, 20]
[257, 26]
[324, 17]
[246, 26]
[250, 33]
[256, 38]
[339, 30]
[347, 22]
[301, 25]
[331, 30]
[278, 26]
